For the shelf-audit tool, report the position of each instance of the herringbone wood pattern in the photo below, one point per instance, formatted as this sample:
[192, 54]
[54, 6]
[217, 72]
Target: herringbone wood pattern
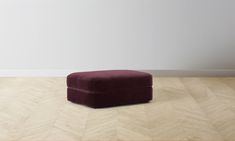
[183, 109]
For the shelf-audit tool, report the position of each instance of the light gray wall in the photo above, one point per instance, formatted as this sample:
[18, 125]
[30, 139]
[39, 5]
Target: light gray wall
[117, 34]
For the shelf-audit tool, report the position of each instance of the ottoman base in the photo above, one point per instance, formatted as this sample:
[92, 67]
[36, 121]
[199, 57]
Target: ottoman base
[106, 99]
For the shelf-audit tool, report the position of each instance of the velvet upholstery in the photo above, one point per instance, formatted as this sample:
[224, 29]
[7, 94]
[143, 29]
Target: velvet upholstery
[109, 88]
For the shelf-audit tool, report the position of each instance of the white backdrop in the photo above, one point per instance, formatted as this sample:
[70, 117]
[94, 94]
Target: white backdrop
[117, 34]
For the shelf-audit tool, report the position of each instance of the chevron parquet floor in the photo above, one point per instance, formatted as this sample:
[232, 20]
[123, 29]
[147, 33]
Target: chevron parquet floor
[183, 109]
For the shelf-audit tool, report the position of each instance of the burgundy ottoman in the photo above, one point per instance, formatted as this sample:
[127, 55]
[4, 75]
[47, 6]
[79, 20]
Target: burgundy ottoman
[107, 88]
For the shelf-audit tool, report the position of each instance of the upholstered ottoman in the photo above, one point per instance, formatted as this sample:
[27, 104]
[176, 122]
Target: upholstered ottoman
[99, 89]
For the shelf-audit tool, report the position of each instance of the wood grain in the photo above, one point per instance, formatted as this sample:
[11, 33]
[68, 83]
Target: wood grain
[182, 109]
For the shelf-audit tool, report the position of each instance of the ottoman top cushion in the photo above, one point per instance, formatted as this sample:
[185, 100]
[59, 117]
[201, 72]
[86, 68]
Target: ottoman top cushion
[108, 79]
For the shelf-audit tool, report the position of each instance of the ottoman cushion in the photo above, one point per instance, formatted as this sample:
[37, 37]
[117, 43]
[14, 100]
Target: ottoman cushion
[109, 88]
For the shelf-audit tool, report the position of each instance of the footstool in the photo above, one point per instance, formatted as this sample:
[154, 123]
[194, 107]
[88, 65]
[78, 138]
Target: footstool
[107, 88]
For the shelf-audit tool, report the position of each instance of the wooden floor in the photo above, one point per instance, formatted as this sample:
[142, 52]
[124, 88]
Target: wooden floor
[183, 109]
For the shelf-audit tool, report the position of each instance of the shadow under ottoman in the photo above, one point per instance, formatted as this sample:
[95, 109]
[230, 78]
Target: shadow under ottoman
[107, 88]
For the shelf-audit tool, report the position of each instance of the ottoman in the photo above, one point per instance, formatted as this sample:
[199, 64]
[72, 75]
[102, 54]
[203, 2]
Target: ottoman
[107, 88]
